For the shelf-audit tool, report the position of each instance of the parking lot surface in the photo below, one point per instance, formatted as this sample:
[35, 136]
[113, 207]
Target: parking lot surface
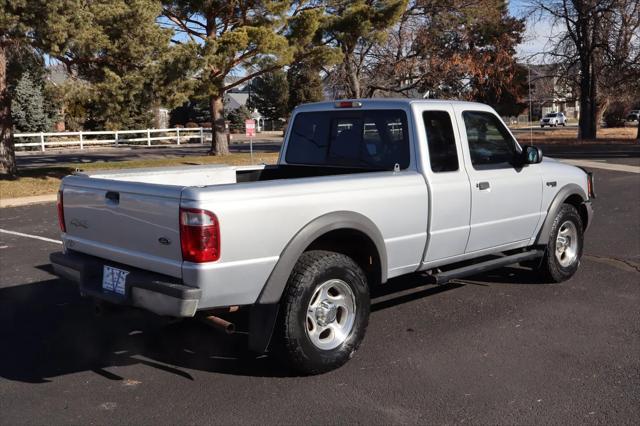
[498, 348]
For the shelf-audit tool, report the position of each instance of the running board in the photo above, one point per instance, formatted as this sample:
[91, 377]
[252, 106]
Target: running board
[446, 276]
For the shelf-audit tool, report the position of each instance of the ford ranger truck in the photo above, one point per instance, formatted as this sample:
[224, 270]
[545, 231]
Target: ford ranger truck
[364, 191]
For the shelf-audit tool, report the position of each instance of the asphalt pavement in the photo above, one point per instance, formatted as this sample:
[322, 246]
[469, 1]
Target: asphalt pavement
[498, 348]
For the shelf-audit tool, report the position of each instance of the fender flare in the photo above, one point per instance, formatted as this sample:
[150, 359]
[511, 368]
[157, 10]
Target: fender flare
[564, 193]
[275, 284]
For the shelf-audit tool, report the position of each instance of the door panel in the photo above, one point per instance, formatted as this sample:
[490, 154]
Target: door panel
[450, 200]
[505, 199]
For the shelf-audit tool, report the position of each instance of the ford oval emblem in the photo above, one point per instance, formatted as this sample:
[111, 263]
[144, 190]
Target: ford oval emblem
[164, 241]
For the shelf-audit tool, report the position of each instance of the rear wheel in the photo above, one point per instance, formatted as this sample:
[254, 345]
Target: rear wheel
[564, 249]
[325, 312]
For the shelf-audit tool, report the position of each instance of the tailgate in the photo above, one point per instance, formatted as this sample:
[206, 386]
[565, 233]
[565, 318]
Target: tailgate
[128, 222]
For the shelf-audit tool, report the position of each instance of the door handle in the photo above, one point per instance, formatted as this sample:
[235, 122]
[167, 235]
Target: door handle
[483, 186]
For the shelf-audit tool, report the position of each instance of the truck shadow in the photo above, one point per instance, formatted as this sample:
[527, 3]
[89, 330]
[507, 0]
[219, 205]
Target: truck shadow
[49, 331]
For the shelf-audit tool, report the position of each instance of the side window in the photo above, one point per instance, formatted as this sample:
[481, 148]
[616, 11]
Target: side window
[490, 144]
[441, 141]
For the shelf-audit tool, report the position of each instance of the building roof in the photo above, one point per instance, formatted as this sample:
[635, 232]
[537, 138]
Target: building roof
[234, 100]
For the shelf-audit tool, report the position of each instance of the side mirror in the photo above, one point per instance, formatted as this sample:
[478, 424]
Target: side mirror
[531, 155]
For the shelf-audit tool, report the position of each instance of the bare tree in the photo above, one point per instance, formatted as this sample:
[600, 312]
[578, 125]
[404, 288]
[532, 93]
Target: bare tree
[599, 40]
[450, 49]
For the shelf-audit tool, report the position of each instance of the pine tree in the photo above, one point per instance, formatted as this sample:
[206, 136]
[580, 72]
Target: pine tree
[28, 108]
[113, 49]
[253, 36]
[270, 95]
[237, 118]
[305, 84]
[355, 26]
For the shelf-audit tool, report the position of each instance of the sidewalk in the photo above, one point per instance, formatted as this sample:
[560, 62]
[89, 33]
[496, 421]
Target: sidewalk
[595, 150]
[24, 201]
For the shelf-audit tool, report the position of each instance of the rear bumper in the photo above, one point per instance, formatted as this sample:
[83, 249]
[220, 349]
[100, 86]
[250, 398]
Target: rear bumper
[157, 293]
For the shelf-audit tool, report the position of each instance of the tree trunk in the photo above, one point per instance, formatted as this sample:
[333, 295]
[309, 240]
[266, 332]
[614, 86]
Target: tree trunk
[219, 144]
[587, 124]
[354, 81]
[7, 153]
[602, 107]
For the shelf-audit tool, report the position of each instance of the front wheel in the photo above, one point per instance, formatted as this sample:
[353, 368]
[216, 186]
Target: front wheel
[325, 312]
[564, 249]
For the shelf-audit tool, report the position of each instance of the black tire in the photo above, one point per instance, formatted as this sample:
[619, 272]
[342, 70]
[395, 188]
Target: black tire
[312, 270]
[551, 267]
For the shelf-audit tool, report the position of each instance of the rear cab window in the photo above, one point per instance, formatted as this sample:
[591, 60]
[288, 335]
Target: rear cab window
[376, 139]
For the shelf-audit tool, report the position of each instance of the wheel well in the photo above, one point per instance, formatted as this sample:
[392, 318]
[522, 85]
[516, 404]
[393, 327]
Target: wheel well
[355, 244]
[576, 201]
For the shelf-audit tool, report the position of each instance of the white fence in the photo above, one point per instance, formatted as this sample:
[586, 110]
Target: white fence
[121, 137]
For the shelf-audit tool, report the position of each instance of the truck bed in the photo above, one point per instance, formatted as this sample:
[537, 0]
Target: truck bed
[201, 176]
[122, 215]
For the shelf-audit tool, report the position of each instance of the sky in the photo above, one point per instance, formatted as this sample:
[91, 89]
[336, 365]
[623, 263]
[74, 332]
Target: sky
[536, 35]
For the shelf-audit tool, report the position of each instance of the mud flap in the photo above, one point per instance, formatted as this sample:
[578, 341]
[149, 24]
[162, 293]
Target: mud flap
[262, 321]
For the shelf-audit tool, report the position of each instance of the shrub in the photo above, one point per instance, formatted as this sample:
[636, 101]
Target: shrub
[615, 115]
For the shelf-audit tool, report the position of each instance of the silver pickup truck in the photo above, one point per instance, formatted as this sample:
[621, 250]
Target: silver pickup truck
[364, 191]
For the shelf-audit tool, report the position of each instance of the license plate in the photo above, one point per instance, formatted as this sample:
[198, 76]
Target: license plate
[114, 279]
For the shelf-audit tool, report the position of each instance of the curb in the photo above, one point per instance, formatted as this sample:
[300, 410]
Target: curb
[25, 201]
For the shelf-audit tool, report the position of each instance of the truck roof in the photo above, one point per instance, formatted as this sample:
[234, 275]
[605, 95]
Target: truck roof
[383, 103]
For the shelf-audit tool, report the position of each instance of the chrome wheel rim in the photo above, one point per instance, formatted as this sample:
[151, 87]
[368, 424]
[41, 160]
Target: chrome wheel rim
[331, 314]
[567, 244]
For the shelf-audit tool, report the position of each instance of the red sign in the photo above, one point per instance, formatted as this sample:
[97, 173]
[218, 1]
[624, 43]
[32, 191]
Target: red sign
[250, 128]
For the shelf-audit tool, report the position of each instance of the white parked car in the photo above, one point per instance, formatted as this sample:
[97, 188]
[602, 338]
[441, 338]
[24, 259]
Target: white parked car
[553, 119]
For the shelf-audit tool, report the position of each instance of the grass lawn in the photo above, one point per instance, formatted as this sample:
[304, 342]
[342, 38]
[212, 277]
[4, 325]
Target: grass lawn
[46, 180]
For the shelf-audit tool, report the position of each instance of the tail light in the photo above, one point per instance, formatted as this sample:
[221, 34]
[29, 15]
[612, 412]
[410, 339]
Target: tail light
[348, 104]
[199, 235]
[63, 228]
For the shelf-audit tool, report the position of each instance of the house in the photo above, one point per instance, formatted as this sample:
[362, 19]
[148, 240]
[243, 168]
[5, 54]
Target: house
[238, 97]
[551, 91]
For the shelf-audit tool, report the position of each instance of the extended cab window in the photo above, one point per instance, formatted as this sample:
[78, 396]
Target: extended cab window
[490, 144]
[372, 138]
[441, 141]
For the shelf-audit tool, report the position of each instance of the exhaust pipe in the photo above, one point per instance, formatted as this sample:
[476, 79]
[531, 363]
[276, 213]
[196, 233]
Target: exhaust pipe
[219, 323]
